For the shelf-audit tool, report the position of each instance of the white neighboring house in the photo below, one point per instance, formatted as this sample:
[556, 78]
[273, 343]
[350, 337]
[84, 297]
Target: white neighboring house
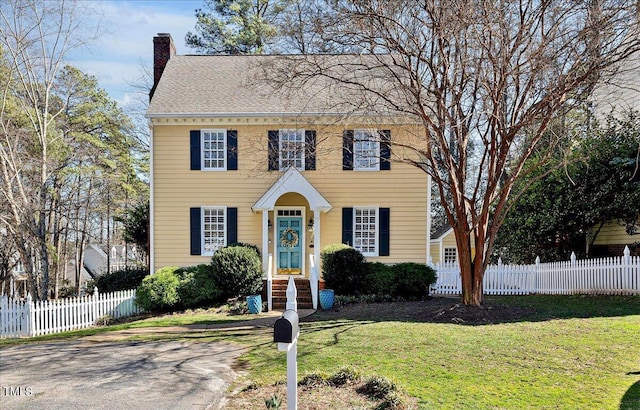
[94, 264]
[18, 280]
[620, 93]
[120, 257]
[617, 96]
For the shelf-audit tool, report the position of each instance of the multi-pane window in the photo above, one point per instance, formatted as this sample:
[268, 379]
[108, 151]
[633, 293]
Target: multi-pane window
[213, 230]
[366, 150]
[450, 255]
[365, 230]
[214, 150]
[291, 148]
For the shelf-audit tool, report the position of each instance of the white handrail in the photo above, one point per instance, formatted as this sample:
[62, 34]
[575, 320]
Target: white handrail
[270, 283]
[313, 280]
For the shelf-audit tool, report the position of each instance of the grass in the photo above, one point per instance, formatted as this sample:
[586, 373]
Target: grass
[574, 352]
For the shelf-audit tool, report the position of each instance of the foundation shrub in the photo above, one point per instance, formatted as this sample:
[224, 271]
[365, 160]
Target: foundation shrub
[159, 291]
[412, 280]
[123, 279]
[237, 271]
[197, 287]
[344, 269]
[379, 279]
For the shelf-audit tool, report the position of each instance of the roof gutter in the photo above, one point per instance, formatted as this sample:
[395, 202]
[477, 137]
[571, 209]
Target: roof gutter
[254, 114]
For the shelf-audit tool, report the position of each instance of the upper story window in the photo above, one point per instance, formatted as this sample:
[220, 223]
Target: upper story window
[366, 150]
[291, 146]
[365, 230]
[214, 150]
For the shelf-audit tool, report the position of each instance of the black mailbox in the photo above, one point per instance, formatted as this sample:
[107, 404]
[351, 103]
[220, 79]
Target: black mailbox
[286, 328]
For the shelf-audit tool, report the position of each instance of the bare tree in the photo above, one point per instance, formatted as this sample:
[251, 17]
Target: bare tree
[36, 37]
[484, 79]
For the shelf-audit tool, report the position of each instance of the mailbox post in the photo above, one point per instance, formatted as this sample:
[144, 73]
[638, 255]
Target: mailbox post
[285, 332]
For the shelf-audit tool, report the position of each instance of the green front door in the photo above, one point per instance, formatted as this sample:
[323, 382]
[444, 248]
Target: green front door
[289, 245]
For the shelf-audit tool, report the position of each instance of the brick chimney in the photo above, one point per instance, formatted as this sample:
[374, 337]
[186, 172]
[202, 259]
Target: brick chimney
[163, 49]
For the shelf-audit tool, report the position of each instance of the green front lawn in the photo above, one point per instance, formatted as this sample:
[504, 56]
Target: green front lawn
[573, 352]
[558, 358]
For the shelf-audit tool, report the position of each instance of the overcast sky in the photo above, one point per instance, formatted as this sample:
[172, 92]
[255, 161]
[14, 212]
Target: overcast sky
[126, 44]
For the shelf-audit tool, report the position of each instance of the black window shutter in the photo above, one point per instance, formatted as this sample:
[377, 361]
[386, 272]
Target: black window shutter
[383, 247]
[195, 229]
[385, 150]
[232, 150]
[274, 138]
[195, 150]
[310, 150]
[347, 150]
[347, 226]
[232, 226]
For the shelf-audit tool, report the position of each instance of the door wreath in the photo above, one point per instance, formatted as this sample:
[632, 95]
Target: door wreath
[289, 238]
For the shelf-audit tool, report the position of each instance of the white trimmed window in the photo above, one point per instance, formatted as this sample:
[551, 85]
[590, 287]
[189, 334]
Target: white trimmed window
[450, 255]
[213, 229]
[365, 230]
[366, 150]
[214, 150]
[291, 148]
[19, 268]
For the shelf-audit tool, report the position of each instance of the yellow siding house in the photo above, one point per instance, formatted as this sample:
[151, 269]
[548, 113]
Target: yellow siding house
[232, 161]
[611, 240]
[444, 248]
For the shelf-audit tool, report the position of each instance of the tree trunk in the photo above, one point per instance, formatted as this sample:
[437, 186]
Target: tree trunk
[471, 270]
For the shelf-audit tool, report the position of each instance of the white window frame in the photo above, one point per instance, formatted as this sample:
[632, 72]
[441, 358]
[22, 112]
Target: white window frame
[357, 229]
[361, 137]
[288, 132]
[208, 249]
[446, 254]
[203, 150]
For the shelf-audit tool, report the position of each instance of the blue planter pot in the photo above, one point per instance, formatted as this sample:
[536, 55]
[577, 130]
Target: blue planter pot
[327, 299]
[254, 303]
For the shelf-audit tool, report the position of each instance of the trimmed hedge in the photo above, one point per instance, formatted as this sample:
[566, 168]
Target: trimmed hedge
[123, 279]
[237, 271]
[159, 291]
[344, 269]
[246, 245]
[379, 280]
[412, 280]
[197, 287]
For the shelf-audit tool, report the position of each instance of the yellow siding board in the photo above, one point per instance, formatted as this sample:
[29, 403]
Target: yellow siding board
[613, 233]
[448, 241]
[177, 188]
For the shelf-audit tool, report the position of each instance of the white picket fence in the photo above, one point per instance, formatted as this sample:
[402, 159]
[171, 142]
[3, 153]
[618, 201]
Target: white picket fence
[25, 317]
[611, 276]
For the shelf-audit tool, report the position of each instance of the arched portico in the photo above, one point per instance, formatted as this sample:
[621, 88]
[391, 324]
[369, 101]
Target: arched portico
[292, 181]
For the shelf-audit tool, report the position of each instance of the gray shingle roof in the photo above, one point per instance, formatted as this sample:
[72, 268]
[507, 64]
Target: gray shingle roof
[209, 85]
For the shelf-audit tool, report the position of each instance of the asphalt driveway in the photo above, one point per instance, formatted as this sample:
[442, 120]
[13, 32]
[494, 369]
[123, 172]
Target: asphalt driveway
[116, 375]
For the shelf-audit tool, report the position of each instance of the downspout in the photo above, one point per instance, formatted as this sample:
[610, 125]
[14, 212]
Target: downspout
[428, 219]
[152, 242]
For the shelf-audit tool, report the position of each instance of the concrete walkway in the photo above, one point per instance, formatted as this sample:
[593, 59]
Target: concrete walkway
[105, 371]
[266, 319]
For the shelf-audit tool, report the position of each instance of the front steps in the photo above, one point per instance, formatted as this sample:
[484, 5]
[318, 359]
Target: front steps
[279, 293]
